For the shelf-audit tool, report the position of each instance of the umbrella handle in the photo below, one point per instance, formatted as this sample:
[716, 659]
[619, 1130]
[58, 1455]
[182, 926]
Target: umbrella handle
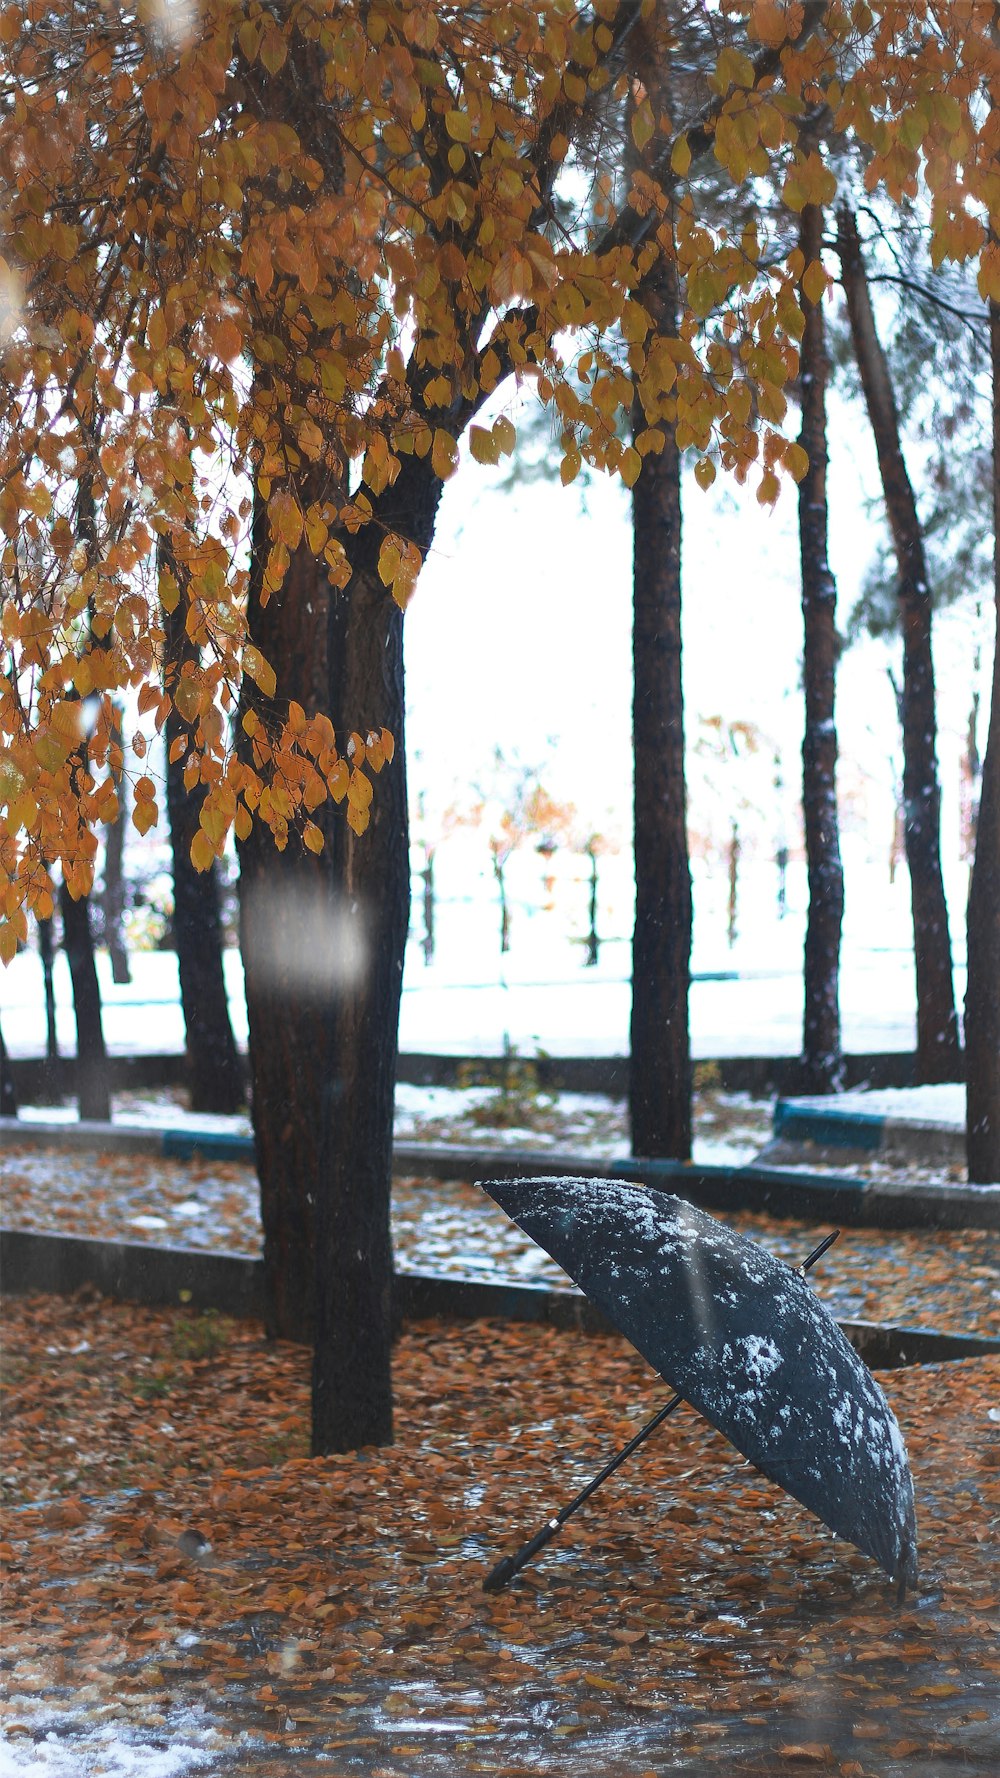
[508, 1566]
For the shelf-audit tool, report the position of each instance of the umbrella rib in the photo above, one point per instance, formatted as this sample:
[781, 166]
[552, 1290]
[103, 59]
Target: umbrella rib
[508, 1566]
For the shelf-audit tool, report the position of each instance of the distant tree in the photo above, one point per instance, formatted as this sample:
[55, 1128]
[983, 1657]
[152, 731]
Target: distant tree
[937, 1022]
[214, 1072]
[982, 1000]
[8, 1091]
[92, 1086]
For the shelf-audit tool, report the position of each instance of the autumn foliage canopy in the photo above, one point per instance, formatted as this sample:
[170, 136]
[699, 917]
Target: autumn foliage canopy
[260, 254]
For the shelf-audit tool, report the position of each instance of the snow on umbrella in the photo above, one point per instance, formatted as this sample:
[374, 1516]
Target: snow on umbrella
[743, 1338]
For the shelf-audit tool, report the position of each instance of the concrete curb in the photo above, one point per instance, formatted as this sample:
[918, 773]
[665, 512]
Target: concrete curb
[867, 1132]
[781, 1191]
[232, 1284]
[35, 1078]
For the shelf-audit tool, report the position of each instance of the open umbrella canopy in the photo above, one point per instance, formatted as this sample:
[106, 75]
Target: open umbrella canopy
[742, 1337]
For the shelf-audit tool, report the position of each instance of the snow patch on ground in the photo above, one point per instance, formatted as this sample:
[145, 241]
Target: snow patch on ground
[939, 1105]
[100, 1751]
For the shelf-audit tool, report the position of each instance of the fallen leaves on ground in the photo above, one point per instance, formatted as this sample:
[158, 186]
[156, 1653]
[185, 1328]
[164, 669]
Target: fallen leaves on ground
[943, 1279]
[172, 1552]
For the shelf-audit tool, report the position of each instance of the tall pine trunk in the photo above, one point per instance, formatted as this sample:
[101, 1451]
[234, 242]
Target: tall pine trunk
[821, 1053]
[982, 999]
[214, 1073]
[661, 1074]
[92, 1088]
[938, 1055]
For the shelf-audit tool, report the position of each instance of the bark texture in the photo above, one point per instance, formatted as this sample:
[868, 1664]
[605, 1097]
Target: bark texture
[92, 1090]
[982, 999]
[661, 1075]
[938, 1054]
[8, 1092]
[821, 1052]
[284, 920]
[215, 1073]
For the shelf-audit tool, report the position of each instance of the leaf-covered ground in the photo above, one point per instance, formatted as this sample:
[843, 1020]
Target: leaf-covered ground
[179, 1576]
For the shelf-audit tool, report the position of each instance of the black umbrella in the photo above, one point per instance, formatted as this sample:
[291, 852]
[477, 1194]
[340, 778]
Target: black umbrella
[743, 1338]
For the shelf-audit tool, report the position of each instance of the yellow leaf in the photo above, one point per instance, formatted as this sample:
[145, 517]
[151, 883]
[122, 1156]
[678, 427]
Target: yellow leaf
[388, 559]
[704, 472]
[357, 818]
[285, 518]
[243, 822]
[643, 124]
[796, 460]
[680, 157]
[8, 942]
[505, 433]
[444, 454]
[630, 466]
[359, 792]
[458, 125]
[156, 330]
[484, 445]
[273, 50]
[144, 816]
[202, 851]
[814, 281]
[313, 837]
[258, 669]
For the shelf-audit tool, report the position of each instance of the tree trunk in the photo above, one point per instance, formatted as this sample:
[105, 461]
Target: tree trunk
[661, 1076]
[113, 900]
[8, 1093]
[938, 1055]
[982, 999]
[285, 923]
[821, 1053]
[45, 952]
[428, 905]
[214, 1071]
[593, 942]
[351, 1384]
[92, 1091]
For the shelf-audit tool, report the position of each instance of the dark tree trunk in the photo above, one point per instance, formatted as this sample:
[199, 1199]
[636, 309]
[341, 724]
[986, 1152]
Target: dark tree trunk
[938, 1055]
[285, 924]
[92, 1091]
[660, 1078]
[113, 900]
[351, 1385]
[46, 953]
[8, 1094]
[214, 1072]
[821, 1054]
[982, 999]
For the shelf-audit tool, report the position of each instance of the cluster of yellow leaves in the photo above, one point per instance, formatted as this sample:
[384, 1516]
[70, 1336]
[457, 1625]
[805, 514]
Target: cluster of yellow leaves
[317, 236]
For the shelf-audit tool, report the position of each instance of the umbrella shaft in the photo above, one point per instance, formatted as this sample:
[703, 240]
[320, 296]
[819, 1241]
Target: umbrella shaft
[619, 1457]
